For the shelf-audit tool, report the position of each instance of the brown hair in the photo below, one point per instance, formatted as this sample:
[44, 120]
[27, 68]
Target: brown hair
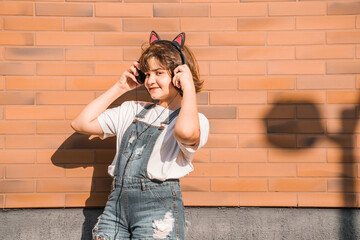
[169, 58]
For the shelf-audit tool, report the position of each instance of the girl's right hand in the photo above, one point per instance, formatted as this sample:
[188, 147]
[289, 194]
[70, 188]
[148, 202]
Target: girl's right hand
[127, 80]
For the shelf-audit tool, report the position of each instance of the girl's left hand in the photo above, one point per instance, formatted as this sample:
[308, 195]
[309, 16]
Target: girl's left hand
[183, 78]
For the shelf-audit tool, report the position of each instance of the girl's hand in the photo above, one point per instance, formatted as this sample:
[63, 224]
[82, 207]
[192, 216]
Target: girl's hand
[127, 80]
[183, 78]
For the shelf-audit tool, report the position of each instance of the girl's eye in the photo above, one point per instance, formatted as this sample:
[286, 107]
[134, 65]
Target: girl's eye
[158, 73]
[147, 74]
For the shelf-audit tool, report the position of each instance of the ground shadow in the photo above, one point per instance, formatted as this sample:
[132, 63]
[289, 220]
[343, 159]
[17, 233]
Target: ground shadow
[304, 124]
[78, 151]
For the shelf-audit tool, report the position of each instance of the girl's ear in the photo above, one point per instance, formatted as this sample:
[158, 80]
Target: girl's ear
[153, 37]
[180, 39]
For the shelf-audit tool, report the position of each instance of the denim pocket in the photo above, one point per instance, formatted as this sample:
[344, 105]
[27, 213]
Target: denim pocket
[164, 195]
[133, 139]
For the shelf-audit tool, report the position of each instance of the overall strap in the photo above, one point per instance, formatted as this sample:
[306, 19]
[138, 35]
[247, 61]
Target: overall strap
[171, 117]
[144, 111]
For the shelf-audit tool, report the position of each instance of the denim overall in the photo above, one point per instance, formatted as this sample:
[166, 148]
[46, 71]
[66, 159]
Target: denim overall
[138, 207]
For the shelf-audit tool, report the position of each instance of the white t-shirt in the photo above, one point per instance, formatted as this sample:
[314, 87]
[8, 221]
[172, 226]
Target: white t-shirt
[169, 158]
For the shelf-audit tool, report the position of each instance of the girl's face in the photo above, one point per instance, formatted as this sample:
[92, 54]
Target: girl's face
[158, 82]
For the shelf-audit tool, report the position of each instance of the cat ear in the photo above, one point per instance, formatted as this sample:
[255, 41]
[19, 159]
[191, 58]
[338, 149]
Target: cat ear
[153, 37]
[180, 39]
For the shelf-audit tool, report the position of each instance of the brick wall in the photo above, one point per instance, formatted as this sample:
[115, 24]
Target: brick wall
[281, 93]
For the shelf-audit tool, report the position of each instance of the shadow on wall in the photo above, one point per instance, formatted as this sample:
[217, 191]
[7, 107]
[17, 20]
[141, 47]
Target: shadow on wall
[77, 151]
[305, 129]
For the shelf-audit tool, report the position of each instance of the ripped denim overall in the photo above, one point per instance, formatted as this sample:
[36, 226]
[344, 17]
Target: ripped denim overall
[138, 207]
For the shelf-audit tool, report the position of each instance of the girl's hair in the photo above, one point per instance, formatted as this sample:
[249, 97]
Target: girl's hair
[169, 58]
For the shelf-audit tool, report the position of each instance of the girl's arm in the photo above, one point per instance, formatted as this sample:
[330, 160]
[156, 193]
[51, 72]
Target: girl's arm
[86, 122]
[187, 126]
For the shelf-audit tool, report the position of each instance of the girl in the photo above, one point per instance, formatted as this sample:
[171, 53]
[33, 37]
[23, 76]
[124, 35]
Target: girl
[155, 142]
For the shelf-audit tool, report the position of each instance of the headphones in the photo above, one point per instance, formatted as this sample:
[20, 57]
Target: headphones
[178, 43]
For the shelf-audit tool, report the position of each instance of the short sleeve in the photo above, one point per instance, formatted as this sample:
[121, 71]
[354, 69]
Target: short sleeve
[204, 133]
[109, 121]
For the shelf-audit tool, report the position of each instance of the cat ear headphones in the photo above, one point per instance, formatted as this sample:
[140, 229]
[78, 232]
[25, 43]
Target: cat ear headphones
[178, 43]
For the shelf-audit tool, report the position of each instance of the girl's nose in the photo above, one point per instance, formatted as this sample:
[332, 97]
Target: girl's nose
[151, 78]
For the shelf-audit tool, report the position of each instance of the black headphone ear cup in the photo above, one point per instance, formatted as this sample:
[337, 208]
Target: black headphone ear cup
[141, 77]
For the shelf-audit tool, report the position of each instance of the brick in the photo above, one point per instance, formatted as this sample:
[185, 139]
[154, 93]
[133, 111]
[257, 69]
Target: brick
[343, 8]
[59, 157]
[16, 8]
[238, 10]
[64, 39]
[298, 67]
[34, 113]
[34, 200]
[86, 171]
[16, 98]
[17, 186]
[343, 185]
[268, 199]
[257, 111]
[219, 83]
[357, 52]
[325, 111]
[93, 54]
[34, 53]
[207, 1]
[208, 24]
[237, 39]
[297, 8]
[215, 54]
[17, 68]
[64, 98]
[266, 141]
[238, 185]
[326, 22]
[2, 142]
[16, 38]
[17, 127]
[93, 24]
[123, 10]
[132, 54]
[181, 10]
[295, 38]
[266, 83]
[64, 9]
[120, 39]
[343, 37]
[214, 170]
[11, 157]
[237, 97]
[314, 97]
[71, 112]
[341, 67]
[327, 170]
[297, 185]
[197, 39]
[302, 126]
[237, 126]
[90, 83]
[103, 184]
[2, 172]
[324, 52]
[147, 25]
[237, 68]
[343, 126]
[86, 199]
[63, 185]
[195, 184]
[305, 141]
[267, 170]
[53, 127]
[211, 198]
[35, 83]
[327, 200]
[201, 156]
[31, 142]
[202, 98]
[215, 112]
[238, 155]
[343, 156]
[2, 201]
[297, 155]
[33, 24]
[67, 69]
[110, 69]
[340, 97]
[265, 24]
[267, 53]
[33, 171]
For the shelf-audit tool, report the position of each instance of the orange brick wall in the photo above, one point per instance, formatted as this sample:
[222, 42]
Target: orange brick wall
[282, 81]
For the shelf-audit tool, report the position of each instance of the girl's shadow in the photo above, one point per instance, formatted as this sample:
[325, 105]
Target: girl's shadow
[79, 151]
